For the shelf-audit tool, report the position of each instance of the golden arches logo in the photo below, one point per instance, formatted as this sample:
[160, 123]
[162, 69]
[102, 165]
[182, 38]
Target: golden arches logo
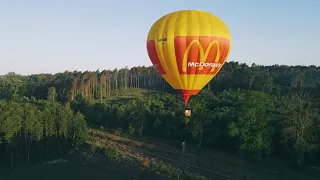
[203, 56]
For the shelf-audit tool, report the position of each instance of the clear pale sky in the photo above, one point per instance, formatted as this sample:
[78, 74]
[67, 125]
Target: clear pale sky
[49, 36]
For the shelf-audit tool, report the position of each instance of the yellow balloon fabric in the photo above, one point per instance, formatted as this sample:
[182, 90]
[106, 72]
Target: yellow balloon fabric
[189, 47]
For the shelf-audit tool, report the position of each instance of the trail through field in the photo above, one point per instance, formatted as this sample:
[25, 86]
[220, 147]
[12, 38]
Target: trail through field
[214, 166]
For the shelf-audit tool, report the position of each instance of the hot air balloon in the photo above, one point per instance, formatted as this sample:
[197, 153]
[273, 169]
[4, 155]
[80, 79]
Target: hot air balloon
[188, 48]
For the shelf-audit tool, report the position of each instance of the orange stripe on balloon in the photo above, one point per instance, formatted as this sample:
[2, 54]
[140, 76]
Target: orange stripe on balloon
[153, 55]
[225, 44]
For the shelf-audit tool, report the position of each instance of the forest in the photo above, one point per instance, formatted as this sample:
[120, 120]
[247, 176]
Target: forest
[262, 111]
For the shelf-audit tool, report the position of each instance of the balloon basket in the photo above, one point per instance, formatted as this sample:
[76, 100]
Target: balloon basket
[187, 112]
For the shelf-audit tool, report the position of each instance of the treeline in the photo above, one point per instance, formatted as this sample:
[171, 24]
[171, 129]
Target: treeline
[236, 120]
[263, 110]
[276, 80]
[35, 130]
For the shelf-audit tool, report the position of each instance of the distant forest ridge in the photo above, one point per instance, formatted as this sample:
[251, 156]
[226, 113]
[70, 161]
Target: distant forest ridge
[98, 85]
[151, 66]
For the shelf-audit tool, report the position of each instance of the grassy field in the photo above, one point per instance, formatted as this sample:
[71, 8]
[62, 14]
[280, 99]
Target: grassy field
[121, 157]
[202, 163]
[61, 171]
[79, 166]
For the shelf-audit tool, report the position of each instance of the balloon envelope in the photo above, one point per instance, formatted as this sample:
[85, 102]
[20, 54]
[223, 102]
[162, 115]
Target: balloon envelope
[188, 47]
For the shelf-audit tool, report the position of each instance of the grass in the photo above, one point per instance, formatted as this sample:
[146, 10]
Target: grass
[114, 156]
[142, 161]
[122, 96]
[125, 153]
[62, 171]
[232, 165]
[81, 166]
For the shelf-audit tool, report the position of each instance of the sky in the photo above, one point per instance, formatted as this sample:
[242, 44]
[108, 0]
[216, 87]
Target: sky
[50, 36]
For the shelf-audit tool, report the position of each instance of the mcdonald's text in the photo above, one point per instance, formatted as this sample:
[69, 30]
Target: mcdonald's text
[203, 64]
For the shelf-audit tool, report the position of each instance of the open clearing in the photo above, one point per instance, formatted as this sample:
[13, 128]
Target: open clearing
[197, 160]
[61, 171]
[80, 166]
[142, 152]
